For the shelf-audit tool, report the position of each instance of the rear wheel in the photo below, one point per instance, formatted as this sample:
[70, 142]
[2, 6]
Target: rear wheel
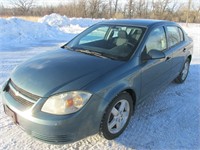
[117, 116]
[183, 75]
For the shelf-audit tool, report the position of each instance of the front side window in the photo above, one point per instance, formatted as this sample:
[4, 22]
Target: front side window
[111, 41]
[174, 35]
[156, 40]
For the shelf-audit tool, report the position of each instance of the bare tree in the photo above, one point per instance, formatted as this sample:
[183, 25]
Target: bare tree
[94, 6]
[2, 10]
[82, 6]
[140, 8]
[130, 8]
[146, 11]
[195, 13]
[198, 14]
[110, 8]
[160, 8]
[115, 6]
[23, 6]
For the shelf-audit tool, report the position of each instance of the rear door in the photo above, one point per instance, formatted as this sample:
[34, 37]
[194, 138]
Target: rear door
[156, 72]
[178, 46]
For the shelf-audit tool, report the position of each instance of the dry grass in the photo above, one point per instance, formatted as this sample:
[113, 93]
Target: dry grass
[29, 18]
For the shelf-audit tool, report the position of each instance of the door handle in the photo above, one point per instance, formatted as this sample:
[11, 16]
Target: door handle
[184, 50]
[168, 58]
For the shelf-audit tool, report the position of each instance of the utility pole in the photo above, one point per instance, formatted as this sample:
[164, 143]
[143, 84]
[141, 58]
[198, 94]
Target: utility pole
[188, 11]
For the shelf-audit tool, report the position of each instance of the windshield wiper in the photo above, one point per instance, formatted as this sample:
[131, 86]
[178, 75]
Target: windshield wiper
[67, 47]
[110, 56]
[94, 53]
[90, 53]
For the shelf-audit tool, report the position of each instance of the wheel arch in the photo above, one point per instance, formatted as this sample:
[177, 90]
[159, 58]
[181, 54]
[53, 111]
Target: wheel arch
[112, 94]
[190, 57]
[132, 93]
[102, 129]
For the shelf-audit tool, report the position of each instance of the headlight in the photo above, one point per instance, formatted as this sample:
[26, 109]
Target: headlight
[66, 103]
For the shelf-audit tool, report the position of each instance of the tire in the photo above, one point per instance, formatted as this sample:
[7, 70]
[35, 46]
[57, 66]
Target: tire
[117, 116]
[184, 73]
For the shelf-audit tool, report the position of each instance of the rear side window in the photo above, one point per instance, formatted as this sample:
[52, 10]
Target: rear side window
[175, 35]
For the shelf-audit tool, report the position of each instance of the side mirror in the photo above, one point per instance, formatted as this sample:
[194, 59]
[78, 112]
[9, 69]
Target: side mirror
[153, 54]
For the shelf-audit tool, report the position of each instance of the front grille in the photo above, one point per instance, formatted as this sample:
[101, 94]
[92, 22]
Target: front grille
[19, 99]
[25, 93]
[21, 96]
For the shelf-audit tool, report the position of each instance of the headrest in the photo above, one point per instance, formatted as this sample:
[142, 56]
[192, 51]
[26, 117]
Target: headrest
[122, 34]
[138, 32]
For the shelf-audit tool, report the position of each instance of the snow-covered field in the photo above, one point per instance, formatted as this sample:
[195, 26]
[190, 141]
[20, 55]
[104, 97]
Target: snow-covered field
[169, 119]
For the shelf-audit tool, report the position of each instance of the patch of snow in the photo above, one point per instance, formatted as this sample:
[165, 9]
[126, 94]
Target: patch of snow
[55, 20]
[74, 29]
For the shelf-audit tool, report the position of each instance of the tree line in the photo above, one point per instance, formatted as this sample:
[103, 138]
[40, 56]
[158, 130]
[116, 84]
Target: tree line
[174, 10]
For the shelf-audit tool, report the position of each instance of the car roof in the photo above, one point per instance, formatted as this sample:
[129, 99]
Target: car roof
[138, 22]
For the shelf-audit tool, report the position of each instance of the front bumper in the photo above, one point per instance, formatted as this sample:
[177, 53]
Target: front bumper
[48, 133]
[55, 129]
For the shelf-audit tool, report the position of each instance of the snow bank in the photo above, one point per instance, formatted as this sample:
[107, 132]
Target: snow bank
[68, 25]
[17, 31]
[57, 20]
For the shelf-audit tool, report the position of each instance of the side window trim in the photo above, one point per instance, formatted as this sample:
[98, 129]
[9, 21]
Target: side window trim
[181, 32]
[167, 45]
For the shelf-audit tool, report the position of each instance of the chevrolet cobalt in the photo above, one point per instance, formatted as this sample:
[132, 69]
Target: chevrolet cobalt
[92, 84]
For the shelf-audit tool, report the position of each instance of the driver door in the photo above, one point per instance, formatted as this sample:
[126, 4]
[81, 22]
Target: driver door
[155, 72]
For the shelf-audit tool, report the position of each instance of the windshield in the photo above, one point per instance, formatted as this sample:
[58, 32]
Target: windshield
[108, 41]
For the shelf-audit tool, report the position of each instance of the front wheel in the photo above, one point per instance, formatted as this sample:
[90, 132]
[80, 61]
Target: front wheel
[117, 116]
[183, 75]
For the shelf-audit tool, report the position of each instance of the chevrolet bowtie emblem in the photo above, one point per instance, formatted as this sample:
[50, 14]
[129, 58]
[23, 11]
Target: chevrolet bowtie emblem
[17, 93]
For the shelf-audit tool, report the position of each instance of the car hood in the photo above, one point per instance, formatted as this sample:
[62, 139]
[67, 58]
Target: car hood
[59, 71]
